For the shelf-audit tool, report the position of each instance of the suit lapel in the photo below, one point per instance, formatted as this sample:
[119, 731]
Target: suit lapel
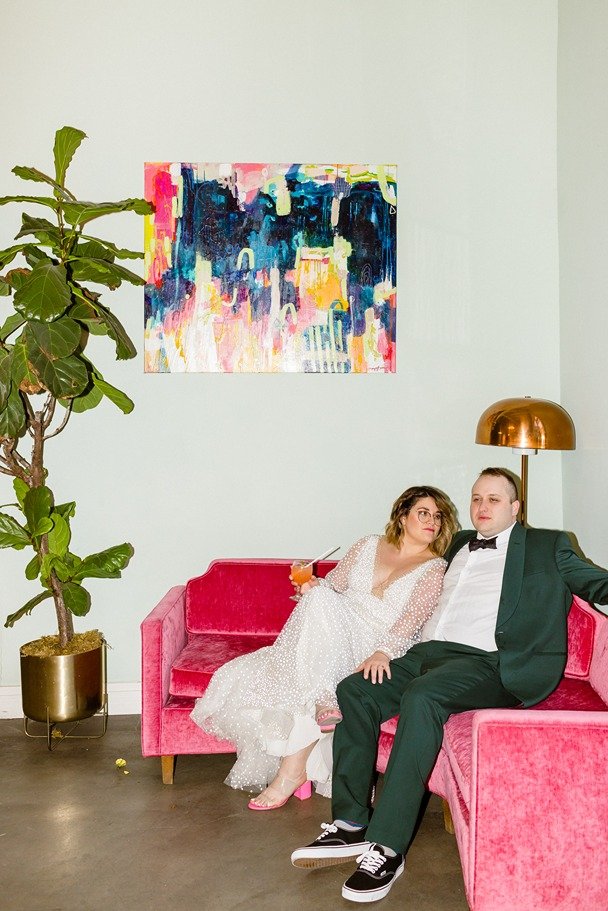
[513, 574]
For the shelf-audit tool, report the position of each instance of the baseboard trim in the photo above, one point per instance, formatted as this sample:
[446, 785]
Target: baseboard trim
[123, 699]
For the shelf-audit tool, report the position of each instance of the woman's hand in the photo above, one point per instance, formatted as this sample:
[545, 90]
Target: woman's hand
[376, 666]
[302, 589]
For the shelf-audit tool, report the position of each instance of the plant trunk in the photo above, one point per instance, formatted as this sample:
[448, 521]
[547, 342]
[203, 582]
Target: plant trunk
[65, 623]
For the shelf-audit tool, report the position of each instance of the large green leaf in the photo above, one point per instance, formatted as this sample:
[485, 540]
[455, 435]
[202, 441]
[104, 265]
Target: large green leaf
[12, 416]
[27, 608]
[43, 230]
[40, 200]
[67, 140]
[107, 564]
[32, 570]
[119, 398]
[13, 322]
[92, 249]
[37, 506]
[59, 536]
[34, 255]
[56, 340]
[80, 213]
[6, 364]
[65, 377]
[118, 252]
[5, 288]
[11, 533]
[8, 255]
[76, 599]
[28, 173]
[22, 370]
[85, 314]
[18, 277]
[67, 510]
[103, 272]
[45, 295]
[49, 349]
[90, 398]
[21, 489]
[125, 349]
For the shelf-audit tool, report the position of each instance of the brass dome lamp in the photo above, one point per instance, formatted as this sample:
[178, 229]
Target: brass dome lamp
[526, 425]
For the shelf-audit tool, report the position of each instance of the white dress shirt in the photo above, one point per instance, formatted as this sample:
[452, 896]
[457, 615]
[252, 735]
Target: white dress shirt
[468, 607]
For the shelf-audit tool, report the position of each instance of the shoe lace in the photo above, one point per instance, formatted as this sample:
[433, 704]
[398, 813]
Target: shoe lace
[329, 829]
[371, 860]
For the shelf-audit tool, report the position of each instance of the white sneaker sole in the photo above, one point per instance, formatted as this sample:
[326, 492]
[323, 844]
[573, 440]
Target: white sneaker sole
[309, 858]
[374, 895]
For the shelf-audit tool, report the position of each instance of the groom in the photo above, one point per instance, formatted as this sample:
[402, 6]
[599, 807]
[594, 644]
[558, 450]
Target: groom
[498, 638]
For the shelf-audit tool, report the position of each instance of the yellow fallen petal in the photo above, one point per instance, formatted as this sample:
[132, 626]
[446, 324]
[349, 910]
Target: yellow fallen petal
[120, 763]
[125, 771]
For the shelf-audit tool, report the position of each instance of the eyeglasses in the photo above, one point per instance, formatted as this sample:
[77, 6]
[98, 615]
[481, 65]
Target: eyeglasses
[425, 516]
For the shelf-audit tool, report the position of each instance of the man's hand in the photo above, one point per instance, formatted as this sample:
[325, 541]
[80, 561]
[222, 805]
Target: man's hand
[376, 666]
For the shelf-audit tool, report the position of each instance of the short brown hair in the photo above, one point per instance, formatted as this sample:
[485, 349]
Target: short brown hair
[404, 503]
[507, 475]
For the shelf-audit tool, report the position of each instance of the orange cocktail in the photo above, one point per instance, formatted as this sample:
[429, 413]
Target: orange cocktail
[301, 572]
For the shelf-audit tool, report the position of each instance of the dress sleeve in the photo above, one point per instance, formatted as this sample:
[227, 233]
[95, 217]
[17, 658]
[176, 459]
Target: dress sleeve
[338, 577]
[416, 611]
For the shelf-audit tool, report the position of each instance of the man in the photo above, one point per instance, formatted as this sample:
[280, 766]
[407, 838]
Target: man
[498, 638]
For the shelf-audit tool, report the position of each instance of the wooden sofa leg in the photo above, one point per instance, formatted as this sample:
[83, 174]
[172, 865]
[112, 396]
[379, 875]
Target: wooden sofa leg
[447, 818]
[168, 767]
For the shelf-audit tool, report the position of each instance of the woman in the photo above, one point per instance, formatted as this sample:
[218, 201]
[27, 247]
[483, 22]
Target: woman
[278, 704]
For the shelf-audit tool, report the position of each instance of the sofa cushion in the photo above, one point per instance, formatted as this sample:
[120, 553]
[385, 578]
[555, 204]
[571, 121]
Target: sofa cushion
[195, 665]
[243, 596]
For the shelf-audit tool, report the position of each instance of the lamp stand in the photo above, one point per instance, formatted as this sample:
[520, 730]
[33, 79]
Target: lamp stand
[523, 504]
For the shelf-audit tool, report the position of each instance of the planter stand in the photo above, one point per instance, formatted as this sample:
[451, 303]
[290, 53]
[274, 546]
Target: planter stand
[54, 734]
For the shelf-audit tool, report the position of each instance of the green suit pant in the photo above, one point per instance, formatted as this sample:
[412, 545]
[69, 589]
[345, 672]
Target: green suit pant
[431, 682]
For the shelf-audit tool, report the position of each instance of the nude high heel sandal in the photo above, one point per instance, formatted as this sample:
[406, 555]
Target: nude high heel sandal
[303, 791]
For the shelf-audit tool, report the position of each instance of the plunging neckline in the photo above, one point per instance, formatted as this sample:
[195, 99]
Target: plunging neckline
[397, 578]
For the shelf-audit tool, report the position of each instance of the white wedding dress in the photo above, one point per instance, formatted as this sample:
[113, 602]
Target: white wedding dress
[264, 702]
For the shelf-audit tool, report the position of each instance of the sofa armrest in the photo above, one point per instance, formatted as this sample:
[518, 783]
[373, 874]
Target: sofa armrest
[163, 636]
[539, 781]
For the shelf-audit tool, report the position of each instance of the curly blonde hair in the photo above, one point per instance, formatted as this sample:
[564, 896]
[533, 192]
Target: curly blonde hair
[408, 499]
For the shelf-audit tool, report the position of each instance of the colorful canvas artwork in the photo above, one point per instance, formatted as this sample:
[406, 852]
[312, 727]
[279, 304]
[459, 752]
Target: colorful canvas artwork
[270, 268]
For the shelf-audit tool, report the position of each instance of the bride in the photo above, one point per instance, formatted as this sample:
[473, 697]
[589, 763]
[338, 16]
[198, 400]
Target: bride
[278, 705]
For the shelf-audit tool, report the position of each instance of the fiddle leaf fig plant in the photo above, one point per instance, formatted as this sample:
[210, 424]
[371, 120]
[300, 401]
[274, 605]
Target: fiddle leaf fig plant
[47, 315]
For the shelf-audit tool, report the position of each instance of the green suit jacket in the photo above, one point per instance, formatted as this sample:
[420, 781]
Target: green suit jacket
[542, 572]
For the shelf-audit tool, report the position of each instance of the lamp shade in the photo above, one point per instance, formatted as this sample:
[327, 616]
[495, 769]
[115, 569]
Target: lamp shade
[526, 423]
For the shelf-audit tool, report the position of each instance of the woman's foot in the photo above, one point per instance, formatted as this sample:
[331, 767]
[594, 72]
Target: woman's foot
[279, 791]
[327, 718]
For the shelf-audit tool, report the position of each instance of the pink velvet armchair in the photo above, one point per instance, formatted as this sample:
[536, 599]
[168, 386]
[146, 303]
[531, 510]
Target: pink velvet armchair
[237, 606]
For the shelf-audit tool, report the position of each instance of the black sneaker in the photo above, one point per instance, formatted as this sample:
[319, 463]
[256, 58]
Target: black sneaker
[333, 846]
[374, 877]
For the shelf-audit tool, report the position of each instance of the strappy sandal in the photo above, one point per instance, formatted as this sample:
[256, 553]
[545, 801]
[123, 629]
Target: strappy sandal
[285, 787]
[327, 719]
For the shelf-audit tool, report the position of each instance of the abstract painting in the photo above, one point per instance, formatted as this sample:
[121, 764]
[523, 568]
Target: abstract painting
[275, 268]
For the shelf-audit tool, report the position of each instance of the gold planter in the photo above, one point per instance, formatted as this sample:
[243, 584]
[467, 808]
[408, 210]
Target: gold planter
[63, 687]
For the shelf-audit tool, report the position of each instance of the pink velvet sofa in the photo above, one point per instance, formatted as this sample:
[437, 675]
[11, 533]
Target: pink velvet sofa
[527, 789]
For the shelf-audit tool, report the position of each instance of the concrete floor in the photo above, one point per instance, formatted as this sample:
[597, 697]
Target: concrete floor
[76, 834]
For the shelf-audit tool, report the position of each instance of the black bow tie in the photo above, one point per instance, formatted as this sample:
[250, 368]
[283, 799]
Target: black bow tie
[482, 543]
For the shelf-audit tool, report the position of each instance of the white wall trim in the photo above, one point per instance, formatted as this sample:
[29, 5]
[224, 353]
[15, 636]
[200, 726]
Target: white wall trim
[123, 699]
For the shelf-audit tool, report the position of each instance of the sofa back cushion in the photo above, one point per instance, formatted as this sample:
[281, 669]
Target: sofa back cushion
[243, 596]
[582, 629]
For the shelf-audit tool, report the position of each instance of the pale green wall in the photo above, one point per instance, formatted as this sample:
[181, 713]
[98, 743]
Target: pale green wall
[462, 95]
[583, 255]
